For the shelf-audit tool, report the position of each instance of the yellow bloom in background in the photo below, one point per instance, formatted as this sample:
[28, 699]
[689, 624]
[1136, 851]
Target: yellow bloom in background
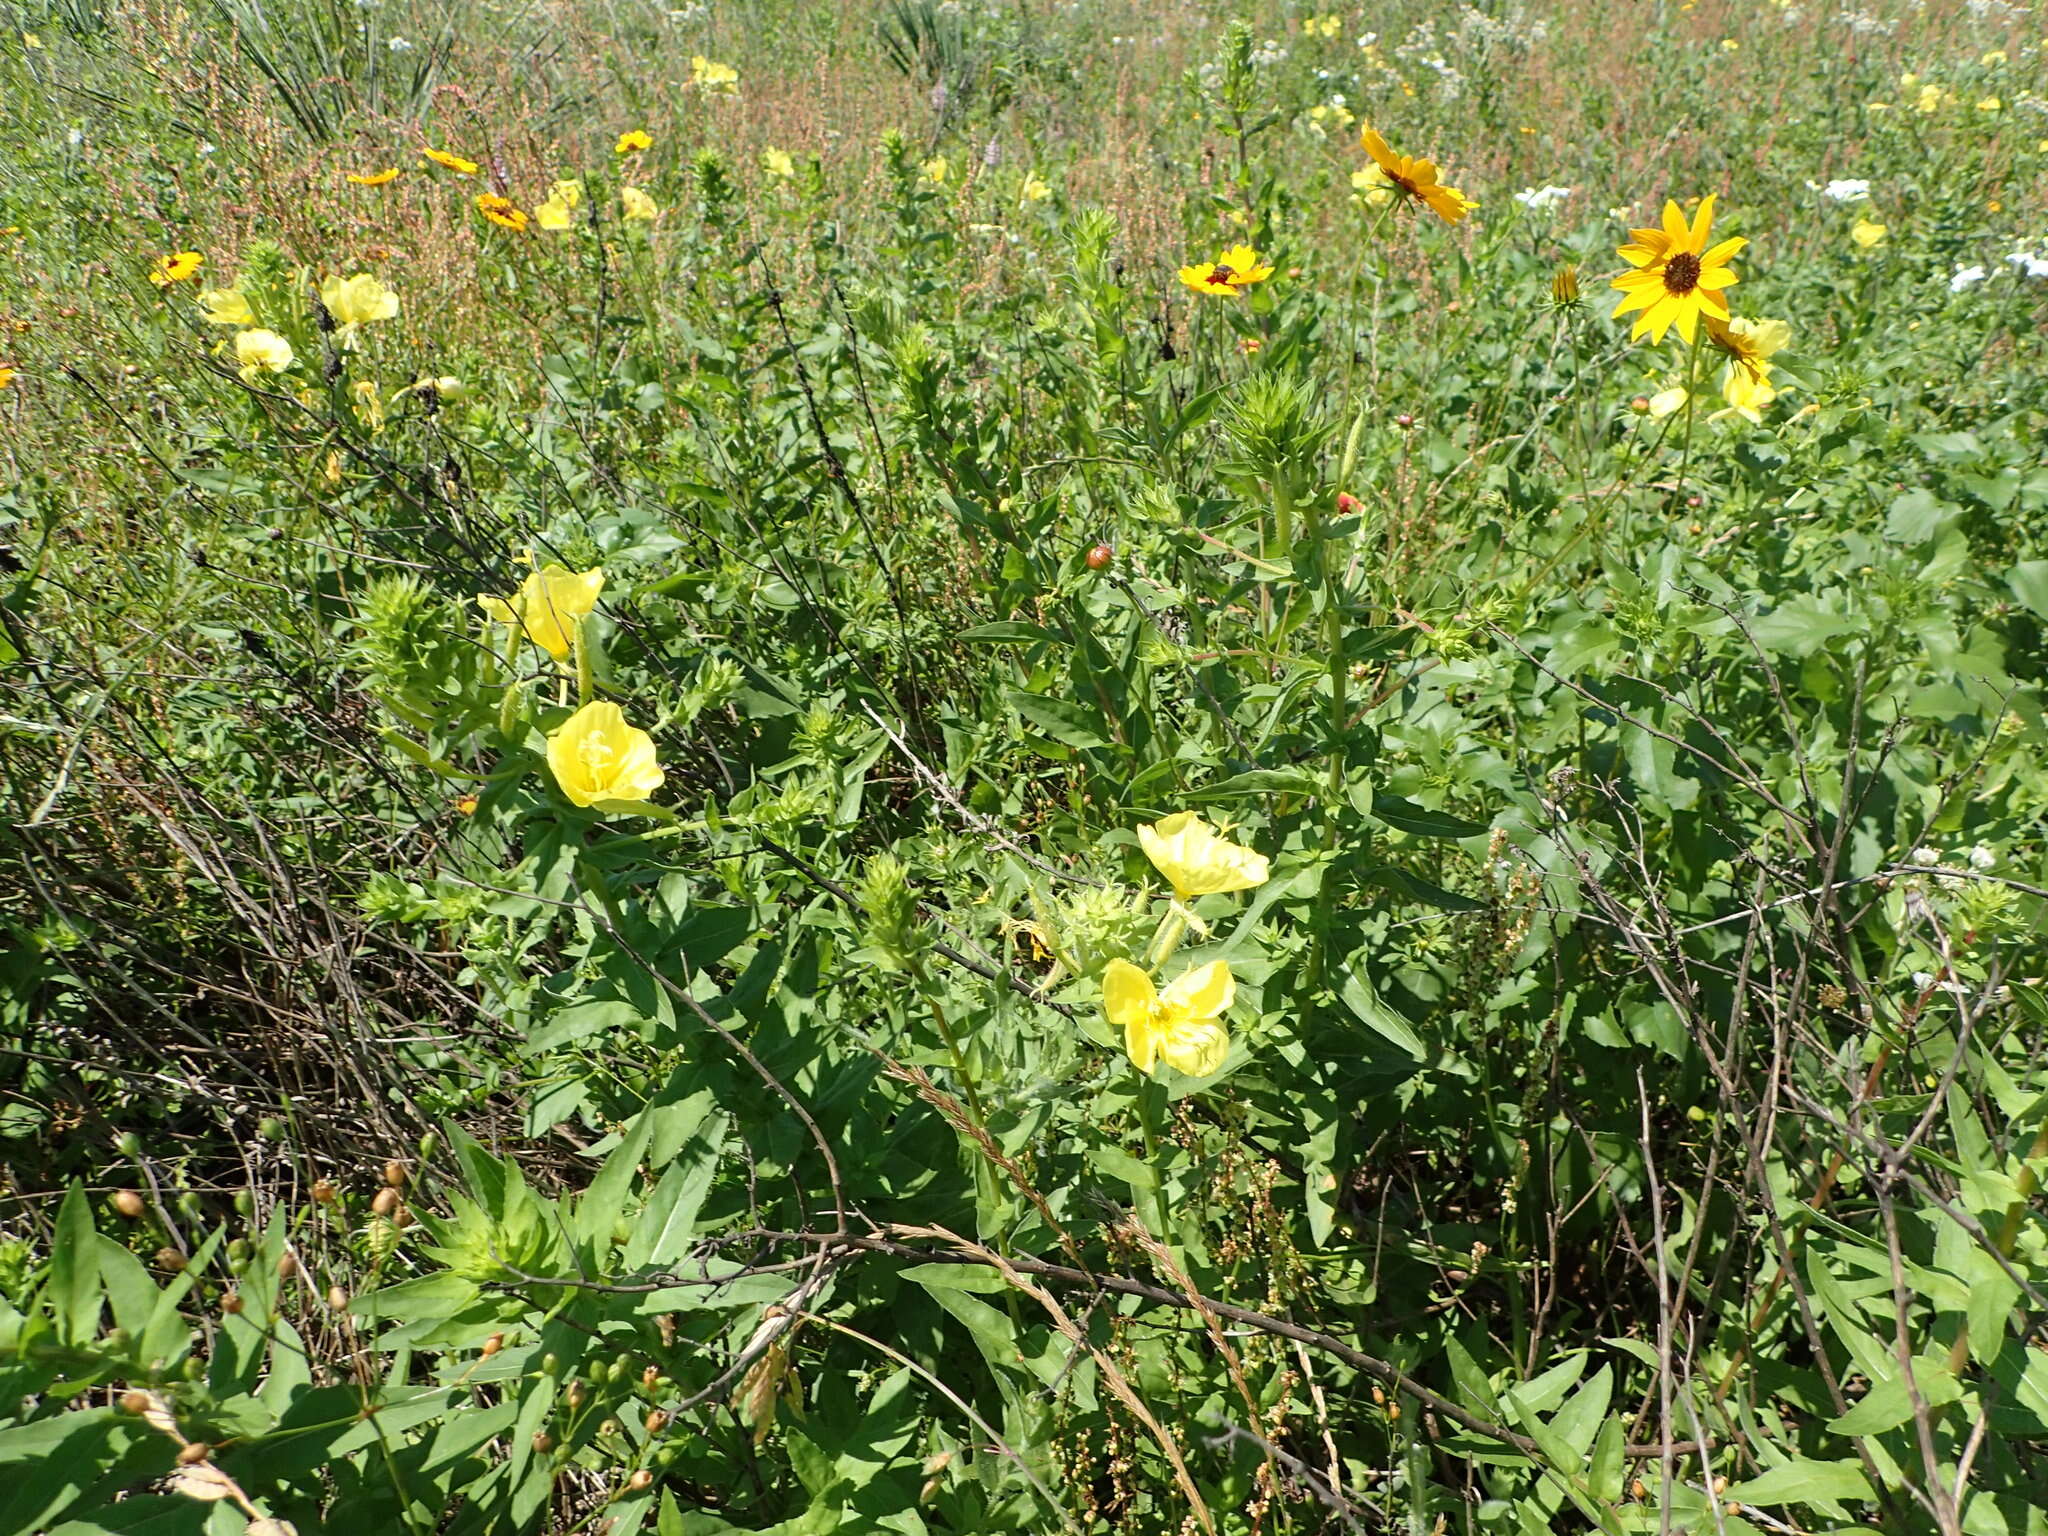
[378, 178]
[1177, 1026]
[549, 607]
[632, 143]
[1931, 98]
[262, 352]
[455, 163]
[225, 306]
[1372, 185]
[178, 267]
[1747, 397]
[1416, 179]
[1667, 402]
[1867, 232]
[355, 301]
[1990, 104]
[1749, 344]
[937, 169]
[599, 760]
[1677, 277]
[553, 214]
[30, 40]
[500, 211]
[567, 191]
[1195, 860]
[777, 162]
[1231, 273]
[1035, 190]
[710, 75]
[1993, 59]
[637, 204]
[6, 377]
[369, 404]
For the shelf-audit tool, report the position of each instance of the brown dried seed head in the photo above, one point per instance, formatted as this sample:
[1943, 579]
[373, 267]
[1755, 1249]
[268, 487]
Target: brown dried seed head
[337, 1299]
[493, 1344]
[287, 1266]
[128, 1203]
[197, 1450]
[641, 1480]
[651, 1376]
[401, 1218]
[385, 1202]
[394, 1174]
[657, 1421]
[543, 1442]
[134, 1402]
[170, 1260]
[231, 1303]
[325, 1192]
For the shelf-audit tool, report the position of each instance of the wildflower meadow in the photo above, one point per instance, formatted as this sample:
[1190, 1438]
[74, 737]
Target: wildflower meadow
[1022, 766]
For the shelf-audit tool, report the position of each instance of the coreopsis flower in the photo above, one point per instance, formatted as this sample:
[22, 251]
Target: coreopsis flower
[225, 306]
[710, 75]
[1178, 1025]
[455, 163]
[1868, 233]
[636, 204]
[356, 301]
[1195, 860]
[378, 178]
[1749, 345]
[599, 760]
[501, 211]
[261, 351]
[6, 376]
[632, 143]
[777, 162]
[1416, 179]
[1231, 273]
[178, 267]
[549, 607]
[1677, 277]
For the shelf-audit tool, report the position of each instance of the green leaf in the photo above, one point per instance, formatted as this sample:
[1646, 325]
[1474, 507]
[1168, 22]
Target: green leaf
[1887, 1405]
[1375, 1015]
[598, 1207]
[74, 1289]
[1419, 821]
[577, 1021]
[1008, 632]
[2029, 583]
[668, 1222]
[1260, 781]
[1806, 1482]
[1061, 719]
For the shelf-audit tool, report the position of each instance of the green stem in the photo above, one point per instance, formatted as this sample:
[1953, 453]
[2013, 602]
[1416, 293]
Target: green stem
[924, 987]
[1151, 1098]
[579, 645]
[1692, 370]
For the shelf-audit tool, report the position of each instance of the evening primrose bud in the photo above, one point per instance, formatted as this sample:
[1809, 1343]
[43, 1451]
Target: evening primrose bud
[894, 933]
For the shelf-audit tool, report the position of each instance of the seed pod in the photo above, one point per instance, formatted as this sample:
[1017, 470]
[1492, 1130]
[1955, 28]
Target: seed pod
[1404, 421]
[170, 1261]
[640, 1481]
[493, 1344]
[337, 1299]
[385, 1201]
[550, 1365]
[650, 1377]
[231, 1303]
[430, 1143]
[394, 1174]
[657, 1421]
[128, 1144]
[287, 1266]
[1099, 557]
[401, 1218]
[578, 1394]
[543, 1442]
[324, 1192]
[609, 1427]
[135, 1402]
[128, 1203]
[195, 1451]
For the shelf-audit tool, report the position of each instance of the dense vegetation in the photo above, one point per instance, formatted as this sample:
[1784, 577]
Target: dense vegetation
[781, 766]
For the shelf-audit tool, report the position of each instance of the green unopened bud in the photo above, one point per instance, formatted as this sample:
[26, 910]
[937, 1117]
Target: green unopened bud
[893, 930]
[429, 1145]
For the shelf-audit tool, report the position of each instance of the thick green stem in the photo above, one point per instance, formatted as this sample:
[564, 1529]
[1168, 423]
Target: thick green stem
[1151, 1099]
[1692, 371]
[925, 989]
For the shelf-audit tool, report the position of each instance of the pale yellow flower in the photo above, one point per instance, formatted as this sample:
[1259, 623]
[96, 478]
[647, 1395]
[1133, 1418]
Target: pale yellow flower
[369, 404]
[637, 204]
[599, 760]
[632, 143]
[710, 75]
[1035, 190]
[1867, 232]
[1177, 1026]
[1990, 104]
[225, 306]
[777, 162]
[552, 214]
[549, 608]
[568, 190]
[1667, 402]
[262, 351]
[1747, 396]
[1931, 98]
[1373, 185]
[356, 301]
[1195, 860]
[936, 170]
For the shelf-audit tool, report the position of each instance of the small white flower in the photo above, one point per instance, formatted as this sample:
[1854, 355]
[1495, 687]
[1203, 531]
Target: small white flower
[1924, 980]
[1967, 277]
[1846, 191]
[1542, 199]
[75, 137]
[1982, 857]
[398, 45]
[2029, 263]
[1926, 855]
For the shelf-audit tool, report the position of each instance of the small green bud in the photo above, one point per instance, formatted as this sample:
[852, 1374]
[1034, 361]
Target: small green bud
[270, 1128]
[128, 1144]
[551, 1365]
[429, 1145]
[893, 930]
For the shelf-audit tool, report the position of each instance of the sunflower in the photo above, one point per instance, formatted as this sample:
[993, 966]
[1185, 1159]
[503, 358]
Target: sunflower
[1677, 278]
[500, 211]
[455, 163]
[178, 267]
[378, 178]
[1416, 178]
[1231, 273]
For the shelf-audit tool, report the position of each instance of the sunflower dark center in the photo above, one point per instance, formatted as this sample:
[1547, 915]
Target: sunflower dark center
[1221, 274]
[1682, 273]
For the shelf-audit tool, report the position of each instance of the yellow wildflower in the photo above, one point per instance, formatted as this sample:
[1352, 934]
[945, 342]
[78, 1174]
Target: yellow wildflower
[1749, 345]
[1231, 273]
[1417, 179]
[378, 178]
[936, 170]
[1990, 104]
[178, 267]
[549, 607]
[369, 404]
[262, 352]
[567, 191]
[777, 162]
[632, 143]
[1668, 401]
[1867, 232]
[355, 301]
[1035, 190]
[6, 377]
[1747, 397]
[225, 306]
[1195, 860]
[599, 760]
[553, 214]
[1931, 98]
[1177, 1026]
[710, 75]
[1677, 277]
[1372, 185]
[637, 204]
[500, 211]
[455, 163]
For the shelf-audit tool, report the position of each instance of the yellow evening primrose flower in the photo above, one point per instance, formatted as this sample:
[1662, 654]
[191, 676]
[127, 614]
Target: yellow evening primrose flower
[1867, 232]
[936, 170]
[1195, 860]
[455, 163]
[1993, 59]
[552, 214]
[1231, 273]
[637, 204]
[1035, 190]
[262, 352]
[1749, 345]
[599, 760]
[710, 75]
[549, 607]
[632, 143]
[355, 301]
[1372, 185]
[777, 162]
[500, 211]
[1990, 104]
[378, 178]
[225, 306]
[1177, 1026]
[568, 192]
[1747, 397]
[1677, 277]
[178, 267]
[1667, 402]
[30, 40]
[1416, 179]
[1930, 99]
